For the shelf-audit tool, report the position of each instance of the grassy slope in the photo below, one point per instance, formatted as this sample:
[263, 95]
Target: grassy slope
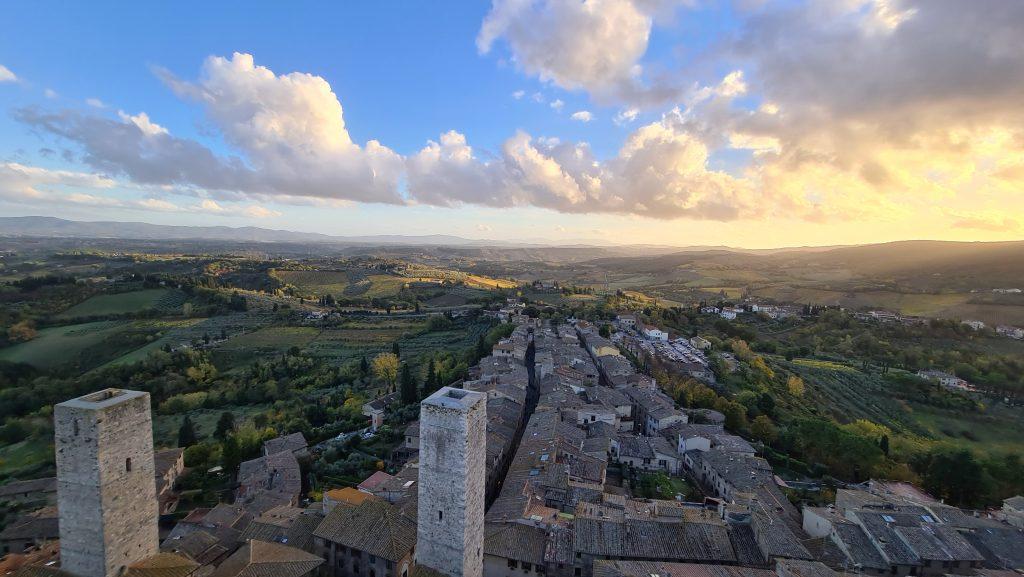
[25, 459]
[273, 340]
[56, 345]
[123, 303]
[847, 394]
[316, 282]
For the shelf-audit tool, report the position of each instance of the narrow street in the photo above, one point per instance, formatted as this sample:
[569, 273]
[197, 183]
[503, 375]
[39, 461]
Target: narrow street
[532, 396]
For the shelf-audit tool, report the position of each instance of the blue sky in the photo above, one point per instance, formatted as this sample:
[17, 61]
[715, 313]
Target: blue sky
[404, 72]
[702, 159]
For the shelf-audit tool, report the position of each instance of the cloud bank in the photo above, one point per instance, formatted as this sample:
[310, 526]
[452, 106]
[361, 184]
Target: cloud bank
[823, 110]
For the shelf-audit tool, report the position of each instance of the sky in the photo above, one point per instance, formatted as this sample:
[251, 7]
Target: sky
[754, 123]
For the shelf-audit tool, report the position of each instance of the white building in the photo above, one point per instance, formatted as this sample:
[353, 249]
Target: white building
[944, 379]
[1011, 332]
[655, 334]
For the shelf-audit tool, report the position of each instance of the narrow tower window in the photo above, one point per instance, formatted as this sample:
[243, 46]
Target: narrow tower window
[440, 516]
[128, 464]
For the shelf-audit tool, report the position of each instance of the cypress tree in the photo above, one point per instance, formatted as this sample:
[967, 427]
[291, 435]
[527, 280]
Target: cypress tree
[187, 433]
[225, 425]
[408, 386]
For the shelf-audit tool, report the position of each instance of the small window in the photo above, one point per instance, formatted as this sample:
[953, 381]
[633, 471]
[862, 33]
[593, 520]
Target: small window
[512, 564]
[128, 464]
[440, 516]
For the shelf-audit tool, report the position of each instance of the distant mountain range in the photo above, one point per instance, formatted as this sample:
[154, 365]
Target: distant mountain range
[874, 260]
[47, 226]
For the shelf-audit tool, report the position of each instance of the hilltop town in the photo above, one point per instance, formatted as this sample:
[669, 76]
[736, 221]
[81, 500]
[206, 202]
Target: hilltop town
[512, 288]
[555, 456]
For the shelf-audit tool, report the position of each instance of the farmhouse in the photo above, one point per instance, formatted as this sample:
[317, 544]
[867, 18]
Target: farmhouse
[655, 334]
[944, 379]
[700, 343]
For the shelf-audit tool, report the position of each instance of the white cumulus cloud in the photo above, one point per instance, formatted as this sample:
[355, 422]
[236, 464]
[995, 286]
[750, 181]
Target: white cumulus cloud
[143, 123]
[594, 45]
[6, 75]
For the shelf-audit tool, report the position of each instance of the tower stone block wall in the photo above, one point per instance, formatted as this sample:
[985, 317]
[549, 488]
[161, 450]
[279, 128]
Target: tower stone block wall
[450, 525]
[106, 495]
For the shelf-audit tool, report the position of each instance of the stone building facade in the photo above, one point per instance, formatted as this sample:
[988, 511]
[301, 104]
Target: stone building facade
[105, 489]
[450, 524]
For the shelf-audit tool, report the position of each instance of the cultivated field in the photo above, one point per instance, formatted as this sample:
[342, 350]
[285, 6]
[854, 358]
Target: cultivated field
[316, 282]
[25, 459]
[125, 303]
[274, 340]
[56, 346]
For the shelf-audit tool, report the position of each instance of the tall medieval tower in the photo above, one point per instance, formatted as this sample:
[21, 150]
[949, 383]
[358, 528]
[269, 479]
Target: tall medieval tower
[450, 525]
[106, 494]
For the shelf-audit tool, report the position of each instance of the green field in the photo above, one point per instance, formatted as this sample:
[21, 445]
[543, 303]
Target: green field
[25, 459]
[847, 394]
[172, 333]
[86, 346]
[455, 340]
[246, 348]
[377, 286]
[316, 282]
[368, 338]
[58, 345]
[997, 429]
[124, 303]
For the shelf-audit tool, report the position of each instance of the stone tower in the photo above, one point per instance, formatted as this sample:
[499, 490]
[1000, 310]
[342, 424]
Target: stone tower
[106, 493]
[450, 525]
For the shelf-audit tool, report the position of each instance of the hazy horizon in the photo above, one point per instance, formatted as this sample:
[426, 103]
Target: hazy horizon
[482, 240]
